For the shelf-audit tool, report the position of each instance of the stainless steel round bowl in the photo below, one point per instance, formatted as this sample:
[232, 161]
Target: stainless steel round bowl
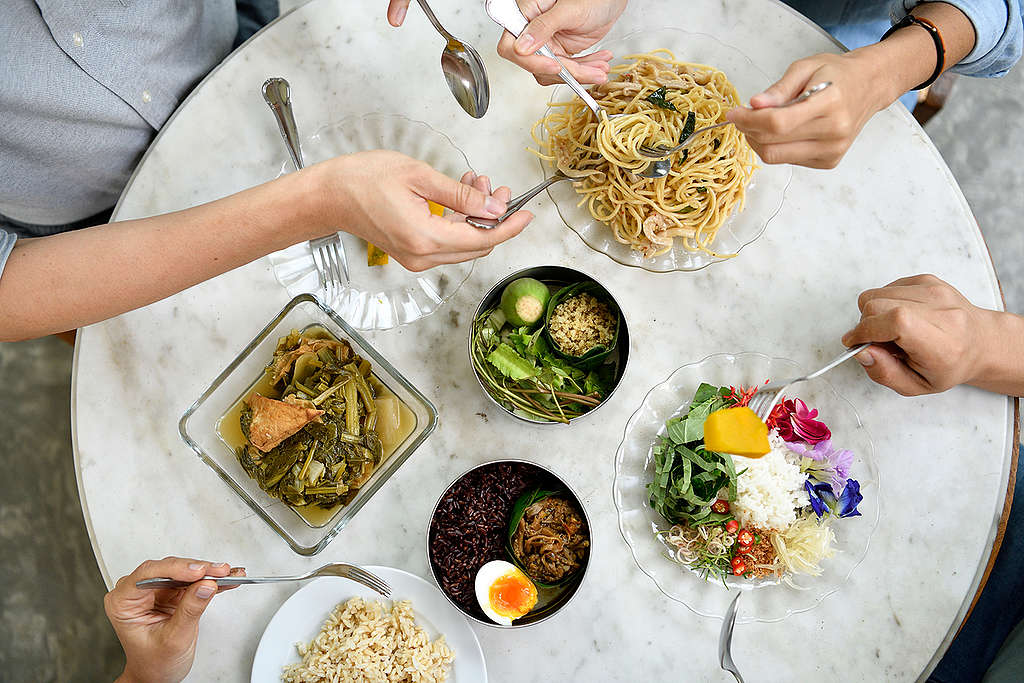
[552, 275]
[558, 597]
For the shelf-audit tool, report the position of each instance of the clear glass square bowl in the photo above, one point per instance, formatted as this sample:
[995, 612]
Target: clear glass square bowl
[198, 426]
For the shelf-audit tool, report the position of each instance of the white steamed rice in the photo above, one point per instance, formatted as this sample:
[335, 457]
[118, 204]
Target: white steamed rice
[772, 488]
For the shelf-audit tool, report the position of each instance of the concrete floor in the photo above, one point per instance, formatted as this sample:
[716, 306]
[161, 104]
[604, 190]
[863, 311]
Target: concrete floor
[52, 626]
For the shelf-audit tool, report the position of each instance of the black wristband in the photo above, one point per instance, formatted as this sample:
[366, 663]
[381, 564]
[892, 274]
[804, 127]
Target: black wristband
[933, 31]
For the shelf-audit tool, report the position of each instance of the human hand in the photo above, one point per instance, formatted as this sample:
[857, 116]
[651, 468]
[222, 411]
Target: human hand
[818, 131]
[397, 9]
[158, 628]
[568, 27]
[381, 196]
[926, 336]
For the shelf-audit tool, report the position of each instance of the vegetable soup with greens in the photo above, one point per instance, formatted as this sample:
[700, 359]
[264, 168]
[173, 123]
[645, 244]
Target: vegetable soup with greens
[316, 426]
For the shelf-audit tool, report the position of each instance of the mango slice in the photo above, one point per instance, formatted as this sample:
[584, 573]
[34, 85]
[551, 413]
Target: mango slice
[375, 256]
[738, 431]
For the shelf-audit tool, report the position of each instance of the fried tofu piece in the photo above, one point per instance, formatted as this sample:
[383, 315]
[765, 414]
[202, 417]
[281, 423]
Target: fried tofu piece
[274, 421]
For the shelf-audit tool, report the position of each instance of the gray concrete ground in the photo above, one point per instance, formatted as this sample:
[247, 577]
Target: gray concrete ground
[52, 626]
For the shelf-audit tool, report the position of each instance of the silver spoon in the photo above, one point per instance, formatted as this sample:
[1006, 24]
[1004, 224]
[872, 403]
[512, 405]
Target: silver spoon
[463, 70]
[517, 203]
[725, 640]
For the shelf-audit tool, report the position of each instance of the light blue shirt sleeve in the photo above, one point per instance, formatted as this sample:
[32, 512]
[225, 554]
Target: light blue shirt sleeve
[7, 240]
[998, 30]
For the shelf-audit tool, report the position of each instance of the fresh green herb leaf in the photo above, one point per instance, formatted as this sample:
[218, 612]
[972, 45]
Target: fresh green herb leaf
[657, 98]
[510, 363]
[688, 126]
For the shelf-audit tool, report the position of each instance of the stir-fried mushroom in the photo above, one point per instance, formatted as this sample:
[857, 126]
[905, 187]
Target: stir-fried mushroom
[551, 540]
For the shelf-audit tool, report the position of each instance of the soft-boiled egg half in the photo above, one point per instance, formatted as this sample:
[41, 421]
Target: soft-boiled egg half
[504, 592]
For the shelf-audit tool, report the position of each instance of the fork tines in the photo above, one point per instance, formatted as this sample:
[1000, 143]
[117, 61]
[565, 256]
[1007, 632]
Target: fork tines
[372, 582]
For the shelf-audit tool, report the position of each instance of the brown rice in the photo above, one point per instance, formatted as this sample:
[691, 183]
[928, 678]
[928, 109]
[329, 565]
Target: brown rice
[360, 643]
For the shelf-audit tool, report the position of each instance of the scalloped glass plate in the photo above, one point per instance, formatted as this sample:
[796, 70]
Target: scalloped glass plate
[378, 297]
[767, 600]
[766, 192]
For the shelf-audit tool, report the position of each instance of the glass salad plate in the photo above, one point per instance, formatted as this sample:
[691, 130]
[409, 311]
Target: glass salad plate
[375, 297]
[764, 196]
[769, 599]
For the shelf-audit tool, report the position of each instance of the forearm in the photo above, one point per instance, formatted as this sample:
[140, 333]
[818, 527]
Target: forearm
[907, 57]
[73, 279]
[1001, 365]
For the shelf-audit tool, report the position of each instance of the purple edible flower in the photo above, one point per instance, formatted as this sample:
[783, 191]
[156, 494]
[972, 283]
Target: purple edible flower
[834, 462]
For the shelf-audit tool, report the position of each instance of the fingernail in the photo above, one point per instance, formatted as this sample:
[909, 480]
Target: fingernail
[204, 592]
[196, 565]
[400, 16]
[488, 182]
[865, 358]
[219, 564]
[494, 207]
[525, 41]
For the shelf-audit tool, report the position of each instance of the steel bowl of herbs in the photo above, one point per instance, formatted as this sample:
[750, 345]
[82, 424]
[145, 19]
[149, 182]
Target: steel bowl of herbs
[509, 543]
[549, 344]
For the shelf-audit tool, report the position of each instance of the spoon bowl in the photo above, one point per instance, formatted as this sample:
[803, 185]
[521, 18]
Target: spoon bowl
[467, 79]
[463, 70]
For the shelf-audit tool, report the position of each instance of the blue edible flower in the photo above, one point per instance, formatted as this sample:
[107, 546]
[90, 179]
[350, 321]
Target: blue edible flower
[818, 495]
[824, 501]
[850, 499]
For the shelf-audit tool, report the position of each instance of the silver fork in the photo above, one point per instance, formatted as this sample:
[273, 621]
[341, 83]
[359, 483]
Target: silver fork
[329, 259]
[725, 640]
[345, 571]
[661, 152]
[768, 396]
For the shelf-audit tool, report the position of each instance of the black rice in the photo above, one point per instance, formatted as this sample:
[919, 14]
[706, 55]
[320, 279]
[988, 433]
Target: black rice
[470, 526]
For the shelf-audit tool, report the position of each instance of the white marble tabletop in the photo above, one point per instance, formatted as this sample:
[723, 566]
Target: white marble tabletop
[890, 209]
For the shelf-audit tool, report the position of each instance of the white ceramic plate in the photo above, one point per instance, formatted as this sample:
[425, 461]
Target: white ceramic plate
[378, 297]
[301, 616]
[767, 600]
[765, 193]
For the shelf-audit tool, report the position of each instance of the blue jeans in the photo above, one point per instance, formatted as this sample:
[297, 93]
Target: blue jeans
[999, 608]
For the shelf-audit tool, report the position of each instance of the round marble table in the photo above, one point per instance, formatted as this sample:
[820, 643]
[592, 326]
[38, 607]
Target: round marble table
[891, 209]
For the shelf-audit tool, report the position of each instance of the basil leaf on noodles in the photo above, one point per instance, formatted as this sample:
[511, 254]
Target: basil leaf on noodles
[688, 127]
[658, 98]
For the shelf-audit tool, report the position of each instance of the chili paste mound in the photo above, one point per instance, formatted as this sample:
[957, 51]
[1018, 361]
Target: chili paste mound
[551, 540]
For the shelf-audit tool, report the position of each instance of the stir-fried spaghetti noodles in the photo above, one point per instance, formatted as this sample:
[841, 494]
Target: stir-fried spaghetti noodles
[663, 101]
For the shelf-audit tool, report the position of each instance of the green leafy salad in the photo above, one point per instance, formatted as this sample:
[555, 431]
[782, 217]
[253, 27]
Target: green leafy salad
[687, 477]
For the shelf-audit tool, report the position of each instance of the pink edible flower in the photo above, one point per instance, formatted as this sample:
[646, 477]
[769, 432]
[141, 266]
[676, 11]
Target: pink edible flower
[806, 427]
[794, 421]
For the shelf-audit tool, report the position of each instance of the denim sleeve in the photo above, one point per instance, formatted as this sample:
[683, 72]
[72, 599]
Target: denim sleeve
[7, 240]
[998, 29]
